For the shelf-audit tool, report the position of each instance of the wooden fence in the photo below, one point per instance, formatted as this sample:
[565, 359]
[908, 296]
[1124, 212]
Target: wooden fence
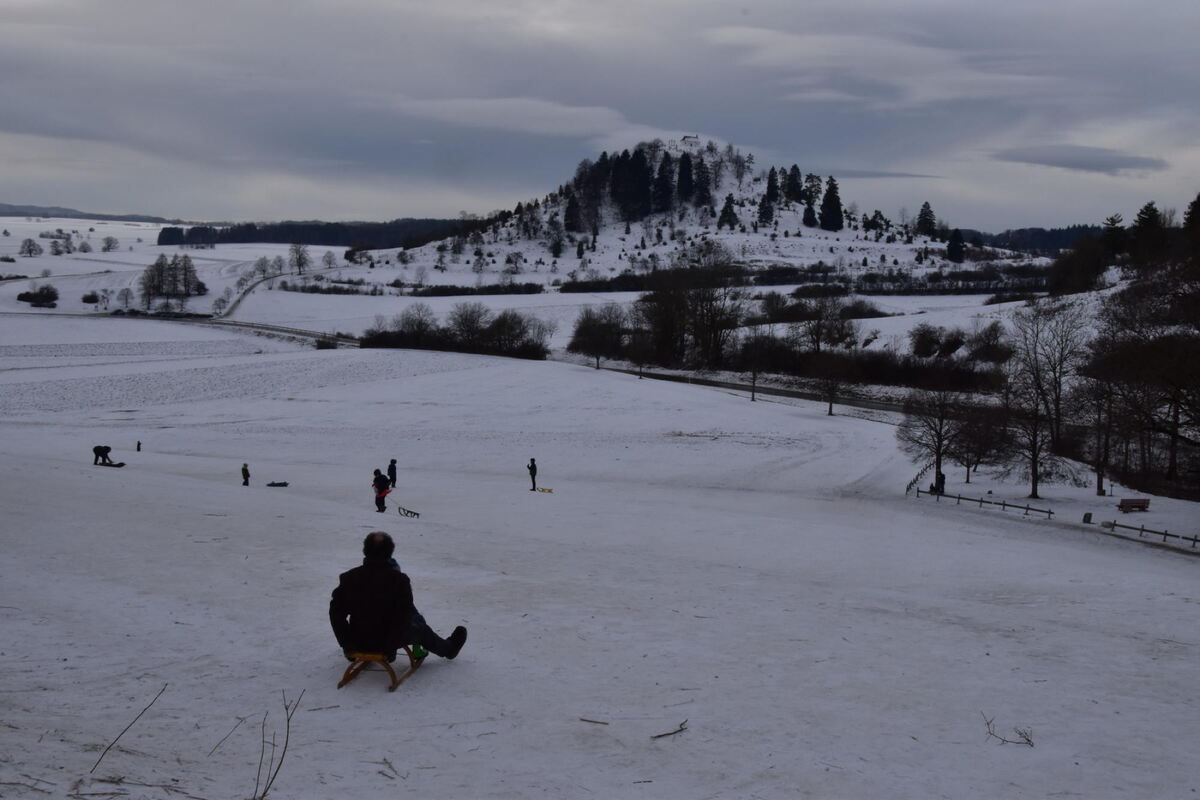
[1142, 531]
[917, 478]
[1003, 504]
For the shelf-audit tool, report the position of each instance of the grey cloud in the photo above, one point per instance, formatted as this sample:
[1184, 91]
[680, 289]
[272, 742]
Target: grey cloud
[1081, 158]
[504, 99]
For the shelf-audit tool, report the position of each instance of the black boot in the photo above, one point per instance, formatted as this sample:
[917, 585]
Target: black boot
[455, 642]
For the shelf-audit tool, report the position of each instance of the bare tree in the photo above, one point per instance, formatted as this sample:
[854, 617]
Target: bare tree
[931, 425]
[468, 321]
[1050, 346]
[30, 248]
[599, 333]
[1029, 426]
[298, 258]
[981, 438]
[416, 321]
[825, 328]
[713, 314]
[110, 243]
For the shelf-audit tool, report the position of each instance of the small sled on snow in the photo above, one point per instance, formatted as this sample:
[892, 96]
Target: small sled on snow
[110, 464]
[416, 656]
[547, 491]
[277, 483]
[407, 512]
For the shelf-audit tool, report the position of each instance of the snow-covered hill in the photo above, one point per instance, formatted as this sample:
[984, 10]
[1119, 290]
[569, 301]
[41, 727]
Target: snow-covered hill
[753, 569]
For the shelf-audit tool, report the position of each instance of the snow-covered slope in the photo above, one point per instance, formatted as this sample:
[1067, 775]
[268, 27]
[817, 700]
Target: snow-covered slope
[751, 568]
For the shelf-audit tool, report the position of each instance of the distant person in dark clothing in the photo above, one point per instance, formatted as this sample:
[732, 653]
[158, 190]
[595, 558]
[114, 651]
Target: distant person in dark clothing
[245, 474]
[100, 454]
[372, 609]
[532, 474]
[392, 472]
[382, 487]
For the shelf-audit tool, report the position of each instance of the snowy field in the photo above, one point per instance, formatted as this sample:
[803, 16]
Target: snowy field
[752, 568]
[77, 274]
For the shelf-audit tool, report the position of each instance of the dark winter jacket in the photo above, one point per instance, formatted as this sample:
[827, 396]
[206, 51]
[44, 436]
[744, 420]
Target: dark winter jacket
[371, 608]
[381, 484]
[391, 473]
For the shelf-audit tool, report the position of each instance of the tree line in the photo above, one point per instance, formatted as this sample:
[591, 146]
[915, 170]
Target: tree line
[469, 328]
[406, 232]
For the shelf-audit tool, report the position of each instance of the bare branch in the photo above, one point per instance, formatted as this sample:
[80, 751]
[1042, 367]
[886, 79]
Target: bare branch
[682, 727]
[127, 727]
[1024, 735]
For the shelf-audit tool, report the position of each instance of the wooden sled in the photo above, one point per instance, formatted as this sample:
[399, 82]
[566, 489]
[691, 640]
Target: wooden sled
[547, 491]
[407, 512]
[363, 660]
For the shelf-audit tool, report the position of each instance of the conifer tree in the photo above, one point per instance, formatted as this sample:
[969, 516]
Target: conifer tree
[926, 221]
[793, 187]
[572, 220]
[641, 180]
[955, 249]
[812, 189]
[810, 216]
[663, 196]
[702, 196]
[1113, 235]
[1147, 237]
[728, 215]
[831, 207]
[684, 186]
[766, 211]
[1191, 217]
[772, 193]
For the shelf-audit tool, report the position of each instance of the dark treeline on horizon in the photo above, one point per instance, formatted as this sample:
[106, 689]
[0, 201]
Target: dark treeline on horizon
[353, 235]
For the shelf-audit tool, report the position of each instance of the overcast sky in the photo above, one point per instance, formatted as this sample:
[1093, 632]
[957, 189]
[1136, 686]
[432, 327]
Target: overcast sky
[1001, 115]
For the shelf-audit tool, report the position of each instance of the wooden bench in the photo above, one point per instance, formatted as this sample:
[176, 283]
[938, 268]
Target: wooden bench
[1134, 504]
[361, 661]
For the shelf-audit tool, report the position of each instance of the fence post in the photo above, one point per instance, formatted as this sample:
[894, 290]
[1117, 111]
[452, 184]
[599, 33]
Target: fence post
[1027, 510]
[1142, 532]
[958, 500]
[1004, 505]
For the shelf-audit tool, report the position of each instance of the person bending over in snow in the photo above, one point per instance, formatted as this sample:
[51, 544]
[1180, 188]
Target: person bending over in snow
[372, 609]
[382, 487]
[100, 454]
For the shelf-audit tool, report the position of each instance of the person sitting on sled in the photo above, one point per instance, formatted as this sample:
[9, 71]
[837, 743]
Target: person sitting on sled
[372, 610]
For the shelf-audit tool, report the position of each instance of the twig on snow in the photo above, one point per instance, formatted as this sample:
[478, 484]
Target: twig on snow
[127, 727]
[289, 711]
[1024, 735]
[24, 786]
[240, 720]
[682, 727]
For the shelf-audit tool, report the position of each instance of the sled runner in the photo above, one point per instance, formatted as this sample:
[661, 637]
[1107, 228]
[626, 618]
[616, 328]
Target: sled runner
[278, 483]
[547, 491]
[407, 512]
[116, 464]
[416, 655]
